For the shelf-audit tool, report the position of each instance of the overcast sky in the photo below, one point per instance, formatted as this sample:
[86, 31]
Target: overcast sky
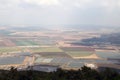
[56, 12]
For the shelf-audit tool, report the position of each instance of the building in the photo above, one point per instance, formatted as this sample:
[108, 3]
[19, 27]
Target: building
[44, 68]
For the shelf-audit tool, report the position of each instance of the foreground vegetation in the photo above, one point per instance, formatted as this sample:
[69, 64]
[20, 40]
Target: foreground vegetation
[84, 74]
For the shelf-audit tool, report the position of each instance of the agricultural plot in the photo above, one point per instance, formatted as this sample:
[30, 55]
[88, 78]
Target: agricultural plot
[11, 60]
[75, 65]
[23, 53]
[5, 32]
[108, 54]
[78, 51]
[43, 60]
[53, 54]
[47, 42]
[9, 49]
[6, 43]
[61, 61]
[46, 49]
[2, 44]
[25, 43]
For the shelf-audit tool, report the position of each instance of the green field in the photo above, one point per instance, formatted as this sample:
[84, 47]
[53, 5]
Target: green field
[8, 49]
[46, 49]
[79, 54]
[25, 43]
[4, 32]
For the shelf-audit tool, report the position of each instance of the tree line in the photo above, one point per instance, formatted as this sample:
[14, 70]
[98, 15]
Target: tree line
[85, 73]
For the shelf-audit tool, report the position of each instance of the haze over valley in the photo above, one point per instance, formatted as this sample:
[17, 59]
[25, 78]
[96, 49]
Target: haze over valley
[69, 47]
[59, 39]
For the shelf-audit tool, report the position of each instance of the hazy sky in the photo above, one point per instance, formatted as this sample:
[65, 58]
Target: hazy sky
[47, 12]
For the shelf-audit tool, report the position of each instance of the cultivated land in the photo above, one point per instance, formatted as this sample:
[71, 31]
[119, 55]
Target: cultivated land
[9, 49]
[55, 47]
[46, 49]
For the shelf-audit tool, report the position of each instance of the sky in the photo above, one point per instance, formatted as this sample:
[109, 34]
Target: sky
[60, 12]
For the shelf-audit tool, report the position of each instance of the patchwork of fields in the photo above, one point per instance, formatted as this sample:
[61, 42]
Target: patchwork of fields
[52, 51]
[51, 47]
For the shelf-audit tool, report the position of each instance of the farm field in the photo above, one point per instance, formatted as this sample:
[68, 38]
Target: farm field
[9, 49]
[5, 32]
[6, 43]
[66, 51]
[49, 51]
[53, 54]
[76, 64]
[108, 54]
[25, 43]
[11, 60]
[76, 49]
[79, 53]
[43, 60]
[46, 49]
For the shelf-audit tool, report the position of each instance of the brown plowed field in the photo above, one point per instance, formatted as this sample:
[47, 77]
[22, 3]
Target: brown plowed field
[8, 43]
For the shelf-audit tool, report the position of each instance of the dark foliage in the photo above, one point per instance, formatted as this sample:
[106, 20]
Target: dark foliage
[84, 74]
